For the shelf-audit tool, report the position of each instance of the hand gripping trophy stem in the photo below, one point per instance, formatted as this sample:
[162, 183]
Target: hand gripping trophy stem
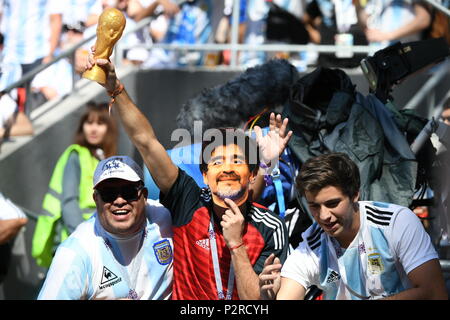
[109, 30]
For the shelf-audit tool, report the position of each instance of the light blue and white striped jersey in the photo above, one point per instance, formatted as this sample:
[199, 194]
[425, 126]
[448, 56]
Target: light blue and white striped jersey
[93, 264]
[79, 10]
[389, 15]
[26, 27]
[10, 72]
[61, 70]
[391, 242]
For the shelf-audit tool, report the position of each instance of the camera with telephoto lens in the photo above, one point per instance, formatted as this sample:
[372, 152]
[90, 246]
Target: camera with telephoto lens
[393, 64]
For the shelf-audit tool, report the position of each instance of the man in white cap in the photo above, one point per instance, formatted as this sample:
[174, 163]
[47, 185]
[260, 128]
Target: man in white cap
[124, 251]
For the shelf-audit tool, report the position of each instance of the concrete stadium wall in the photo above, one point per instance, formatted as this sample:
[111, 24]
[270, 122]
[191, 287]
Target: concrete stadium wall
[24, 175]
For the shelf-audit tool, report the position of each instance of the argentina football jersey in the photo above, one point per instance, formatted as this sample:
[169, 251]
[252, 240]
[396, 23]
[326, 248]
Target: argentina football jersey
[373, 266]
[92, 264]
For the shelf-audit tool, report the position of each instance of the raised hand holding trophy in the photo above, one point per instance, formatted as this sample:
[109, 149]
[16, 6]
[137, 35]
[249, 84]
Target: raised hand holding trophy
[109, 30]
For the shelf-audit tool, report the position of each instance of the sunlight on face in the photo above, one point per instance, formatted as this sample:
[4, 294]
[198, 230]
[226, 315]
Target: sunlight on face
[335, 213]
[228, 175]
[121, 216]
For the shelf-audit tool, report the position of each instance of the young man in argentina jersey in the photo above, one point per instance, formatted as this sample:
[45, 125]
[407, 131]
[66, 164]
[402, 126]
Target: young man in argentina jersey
[355, 249]
[124, 251]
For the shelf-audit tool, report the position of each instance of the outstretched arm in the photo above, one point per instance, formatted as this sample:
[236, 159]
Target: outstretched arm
[10, 228]
[139, 129]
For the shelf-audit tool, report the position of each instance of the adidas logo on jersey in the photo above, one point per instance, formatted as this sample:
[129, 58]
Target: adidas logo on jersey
[109, 278]
[204, 243]
[333, 276]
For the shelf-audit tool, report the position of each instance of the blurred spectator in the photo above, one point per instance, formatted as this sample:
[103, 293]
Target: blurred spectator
[77, 16]
[223, 31]
[131, 40]
[134, 11]
[335, 23]
[12, 219]
[44, 87]
[80, 14]
[285, 25]
[262, 25]
[10, 71]
[386, 21]
[445, 115]
[13, 122]
[32, 32]
[160, 23]
[140, 9]
[189, 26]
[440, 25]
[137, 42]
[162, 11]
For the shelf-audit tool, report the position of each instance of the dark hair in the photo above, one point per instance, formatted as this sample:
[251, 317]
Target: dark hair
[214, 138]
[109, 144]
[332, 169]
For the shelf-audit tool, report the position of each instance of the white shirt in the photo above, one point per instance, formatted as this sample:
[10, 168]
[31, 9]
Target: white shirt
[61, 70]
[79, 10]
[26, 27]
[9, 209]
[93, 264]
[7, 108]
[391, 243]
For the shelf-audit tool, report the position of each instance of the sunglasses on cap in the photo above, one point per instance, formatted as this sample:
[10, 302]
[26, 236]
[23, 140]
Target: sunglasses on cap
[128, 193]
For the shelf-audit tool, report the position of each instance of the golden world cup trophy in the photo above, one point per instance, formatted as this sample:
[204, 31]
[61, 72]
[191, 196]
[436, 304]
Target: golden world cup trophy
[109, 30]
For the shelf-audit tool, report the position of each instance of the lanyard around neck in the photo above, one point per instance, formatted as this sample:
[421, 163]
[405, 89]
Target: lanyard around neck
[215, 259]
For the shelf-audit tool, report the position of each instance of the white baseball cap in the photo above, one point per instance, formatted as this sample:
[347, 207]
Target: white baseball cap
[119, 167]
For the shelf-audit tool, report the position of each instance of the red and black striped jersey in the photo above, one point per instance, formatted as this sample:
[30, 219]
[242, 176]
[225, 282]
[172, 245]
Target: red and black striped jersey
[194, 277]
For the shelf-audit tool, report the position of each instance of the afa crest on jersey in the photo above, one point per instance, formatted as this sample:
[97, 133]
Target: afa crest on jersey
[375, 263]
[163, 252]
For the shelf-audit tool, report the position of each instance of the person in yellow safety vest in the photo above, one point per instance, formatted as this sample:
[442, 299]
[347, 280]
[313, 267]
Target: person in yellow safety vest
[69, 201]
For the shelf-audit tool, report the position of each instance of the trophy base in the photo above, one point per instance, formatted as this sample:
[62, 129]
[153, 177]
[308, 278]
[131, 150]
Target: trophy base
[96, 74]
